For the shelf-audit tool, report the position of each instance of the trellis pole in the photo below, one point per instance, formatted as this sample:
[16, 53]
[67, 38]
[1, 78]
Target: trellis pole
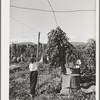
[38, 46]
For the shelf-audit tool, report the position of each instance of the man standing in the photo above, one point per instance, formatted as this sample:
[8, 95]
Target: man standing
[33, 67]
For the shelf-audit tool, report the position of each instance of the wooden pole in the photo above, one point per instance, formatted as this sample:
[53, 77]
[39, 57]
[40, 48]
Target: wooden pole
[38, 46]
[43, 48]
[43, 53]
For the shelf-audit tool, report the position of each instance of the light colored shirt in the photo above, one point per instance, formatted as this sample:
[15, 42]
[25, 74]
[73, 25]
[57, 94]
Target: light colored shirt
[78, 63]
[77, 66]
[33, 66]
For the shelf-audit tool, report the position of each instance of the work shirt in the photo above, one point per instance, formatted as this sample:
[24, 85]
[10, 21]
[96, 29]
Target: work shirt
[33, 66]
[78, 63]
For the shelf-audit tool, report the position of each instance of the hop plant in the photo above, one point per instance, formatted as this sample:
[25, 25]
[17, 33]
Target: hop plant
[56, 47]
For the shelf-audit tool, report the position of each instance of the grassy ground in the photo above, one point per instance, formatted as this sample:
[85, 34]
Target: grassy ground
[47, 87]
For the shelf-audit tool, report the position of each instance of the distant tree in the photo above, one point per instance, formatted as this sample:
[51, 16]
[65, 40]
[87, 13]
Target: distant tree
[18, 51]
[30, 50]
[90, 51]
[88, 54]
[13, 50]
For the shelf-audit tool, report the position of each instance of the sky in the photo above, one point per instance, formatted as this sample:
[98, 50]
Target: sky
[25, 24]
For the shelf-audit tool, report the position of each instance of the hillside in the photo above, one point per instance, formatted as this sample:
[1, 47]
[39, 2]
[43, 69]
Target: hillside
[24, 43]
[78, 43]
[31, 43]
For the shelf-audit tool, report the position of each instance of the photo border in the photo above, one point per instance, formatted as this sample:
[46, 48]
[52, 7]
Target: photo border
[4, 53]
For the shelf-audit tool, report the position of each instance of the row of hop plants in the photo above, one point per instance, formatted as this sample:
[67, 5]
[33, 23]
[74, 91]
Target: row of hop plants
[88, 55]
[25, 51]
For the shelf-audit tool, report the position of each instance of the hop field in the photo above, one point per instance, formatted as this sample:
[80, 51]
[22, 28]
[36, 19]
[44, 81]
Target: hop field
[48, 87]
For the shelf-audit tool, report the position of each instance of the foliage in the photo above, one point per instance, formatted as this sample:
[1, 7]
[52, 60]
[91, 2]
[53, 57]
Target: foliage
[57, 47]
[16, 50]
[72, 55]
[13, 50]
[90, 51]
[88, 54]
[46, 89]
[30, 50]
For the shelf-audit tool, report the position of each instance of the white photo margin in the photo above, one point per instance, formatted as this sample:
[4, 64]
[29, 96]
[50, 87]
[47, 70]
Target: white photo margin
[5, 32]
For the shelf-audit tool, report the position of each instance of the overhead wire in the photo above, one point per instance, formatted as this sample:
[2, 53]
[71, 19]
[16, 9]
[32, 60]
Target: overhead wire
[22, 23]
[33, 30]
[56, 11]
[53, 12]
[30, 8]
[50, 11]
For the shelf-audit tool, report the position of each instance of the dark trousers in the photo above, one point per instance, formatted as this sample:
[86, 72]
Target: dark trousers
[33, 81]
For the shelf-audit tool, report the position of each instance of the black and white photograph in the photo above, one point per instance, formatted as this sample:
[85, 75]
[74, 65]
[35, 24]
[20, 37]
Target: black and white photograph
[52, 50]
